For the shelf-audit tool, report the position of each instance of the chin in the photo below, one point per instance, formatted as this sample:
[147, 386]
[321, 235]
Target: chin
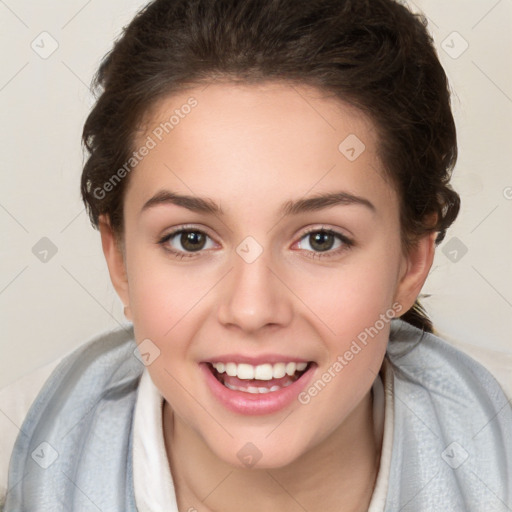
[260, 452]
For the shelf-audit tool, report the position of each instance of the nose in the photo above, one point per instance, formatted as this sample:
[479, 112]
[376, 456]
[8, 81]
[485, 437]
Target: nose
[253, 297]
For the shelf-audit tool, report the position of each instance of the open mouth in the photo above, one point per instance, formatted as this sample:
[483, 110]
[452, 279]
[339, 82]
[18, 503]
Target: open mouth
[260, 379]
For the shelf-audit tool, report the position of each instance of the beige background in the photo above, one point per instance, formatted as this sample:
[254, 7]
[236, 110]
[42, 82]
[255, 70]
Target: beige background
[49, 308]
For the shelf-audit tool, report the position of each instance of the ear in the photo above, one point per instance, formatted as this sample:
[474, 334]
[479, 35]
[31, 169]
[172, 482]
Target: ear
[114, 256]
[414, 271]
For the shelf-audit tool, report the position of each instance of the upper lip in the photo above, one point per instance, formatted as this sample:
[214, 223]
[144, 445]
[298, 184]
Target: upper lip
[256, 360]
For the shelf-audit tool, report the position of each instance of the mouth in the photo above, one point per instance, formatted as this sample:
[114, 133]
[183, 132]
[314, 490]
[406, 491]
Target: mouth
[258, 379]
[264, 388]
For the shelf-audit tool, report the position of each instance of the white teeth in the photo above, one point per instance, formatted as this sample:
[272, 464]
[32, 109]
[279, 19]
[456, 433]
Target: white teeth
[290, 368]
[265, 371]
[254, 390]
[231, 369]
[245, 371]
[279, 370]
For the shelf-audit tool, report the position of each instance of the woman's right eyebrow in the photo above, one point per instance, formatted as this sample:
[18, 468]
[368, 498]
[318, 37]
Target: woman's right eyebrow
[309, 204]
[195, 204]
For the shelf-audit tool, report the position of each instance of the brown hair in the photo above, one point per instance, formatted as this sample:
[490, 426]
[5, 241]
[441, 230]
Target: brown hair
[374, 54]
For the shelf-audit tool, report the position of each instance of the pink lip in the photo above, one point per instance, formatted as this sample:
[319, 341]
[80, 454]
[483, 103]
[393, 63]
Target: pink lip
[255, 361]
[255, 404]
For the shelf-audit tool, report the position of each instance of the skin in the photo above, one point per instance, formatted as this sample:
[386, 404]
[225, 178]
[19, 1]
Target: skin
[251, 148]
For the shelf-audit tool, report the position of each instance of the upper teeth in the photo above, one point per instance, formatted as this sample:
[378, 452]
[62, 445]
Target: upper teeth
[260, 372]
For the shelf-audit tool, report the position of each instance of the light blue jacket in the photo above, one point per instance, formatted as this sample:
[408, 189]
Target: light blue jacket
[452, 441]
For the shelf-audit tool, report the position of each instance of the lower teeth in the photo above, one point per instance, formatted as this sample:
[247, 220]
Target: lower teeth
[254, 390]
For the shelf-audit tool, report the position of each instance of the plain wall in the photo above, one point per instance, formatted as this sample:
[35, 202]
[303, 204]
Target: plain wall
[50, 307]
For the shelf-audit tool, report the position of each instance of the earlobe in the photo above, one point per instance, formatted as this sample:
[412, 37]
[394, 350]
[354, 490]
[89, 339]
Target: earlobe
[415, 268]
[115, 261]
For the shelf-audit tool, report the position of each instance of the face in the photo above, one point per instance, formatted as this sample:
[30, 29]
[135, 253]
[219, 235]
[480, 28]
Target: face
[263, 261]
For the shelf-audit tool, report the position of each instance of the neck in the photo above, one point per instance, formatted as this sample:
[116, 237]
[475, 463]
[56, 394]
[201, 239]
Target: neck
[339, 472]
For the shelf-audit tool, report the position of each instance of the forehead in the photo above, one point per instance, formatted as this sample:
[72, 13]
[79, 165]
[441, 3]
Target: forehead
[260, 143]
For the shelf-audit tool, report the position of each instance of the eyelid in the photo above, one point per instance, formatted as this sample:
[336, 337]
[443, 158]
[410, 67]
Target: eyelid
[186, 227]
[326, 229]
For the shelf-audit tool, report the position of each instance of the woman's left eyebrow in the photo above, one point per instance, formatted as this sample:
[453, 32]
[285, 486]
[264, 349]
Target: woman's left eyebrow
[207, 205]
[322, 201]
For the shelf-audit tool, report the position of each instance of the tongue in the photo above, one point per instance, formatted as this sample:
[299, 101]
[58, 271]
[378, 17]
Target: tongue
[235, 381]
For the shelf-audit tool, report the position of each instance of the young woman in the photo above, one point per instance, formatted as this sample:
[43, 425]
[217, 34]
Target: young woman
[270, 179]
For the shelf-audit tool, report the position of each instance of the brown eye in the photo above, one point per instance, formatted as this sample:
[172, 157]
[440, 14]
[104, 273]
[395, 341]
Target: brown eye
[185, 242]
[192, 240]
[321, 241]
[324, 243]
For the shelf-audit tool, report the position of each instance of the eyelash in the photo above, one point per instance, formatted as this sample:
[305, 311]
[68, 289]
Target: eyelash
[347, 243]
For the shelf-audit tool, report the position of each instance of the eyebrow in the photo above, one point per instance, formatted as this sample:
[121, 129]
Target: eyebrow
[207, 205]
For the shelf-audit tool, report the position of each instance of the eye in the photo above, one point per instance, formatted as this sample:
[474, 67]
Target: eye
[184, 241]
[324, 241]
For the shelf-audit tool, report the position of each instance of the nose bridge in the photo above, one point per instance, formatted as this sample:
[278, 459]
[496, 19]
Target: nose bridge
[253, 297]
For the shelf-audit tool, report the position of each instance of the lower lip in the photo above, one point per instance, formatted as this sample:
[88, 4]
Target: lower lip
[256, 404]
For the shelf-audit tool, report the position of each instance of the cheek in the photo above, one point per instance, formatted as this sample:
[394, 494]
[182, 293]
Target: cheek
[162, 295]
[164, 303]
[351, 297]
[357, 304]
[358, 311]
[169, 306]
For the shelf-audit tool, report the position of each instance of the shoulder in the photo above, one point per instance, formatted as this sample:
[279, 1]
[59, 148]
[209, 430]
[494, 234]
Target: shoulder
[453, 426]
[89, 370]
[92, 368]
[430, 361]
[426, 366]
[15, 401]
